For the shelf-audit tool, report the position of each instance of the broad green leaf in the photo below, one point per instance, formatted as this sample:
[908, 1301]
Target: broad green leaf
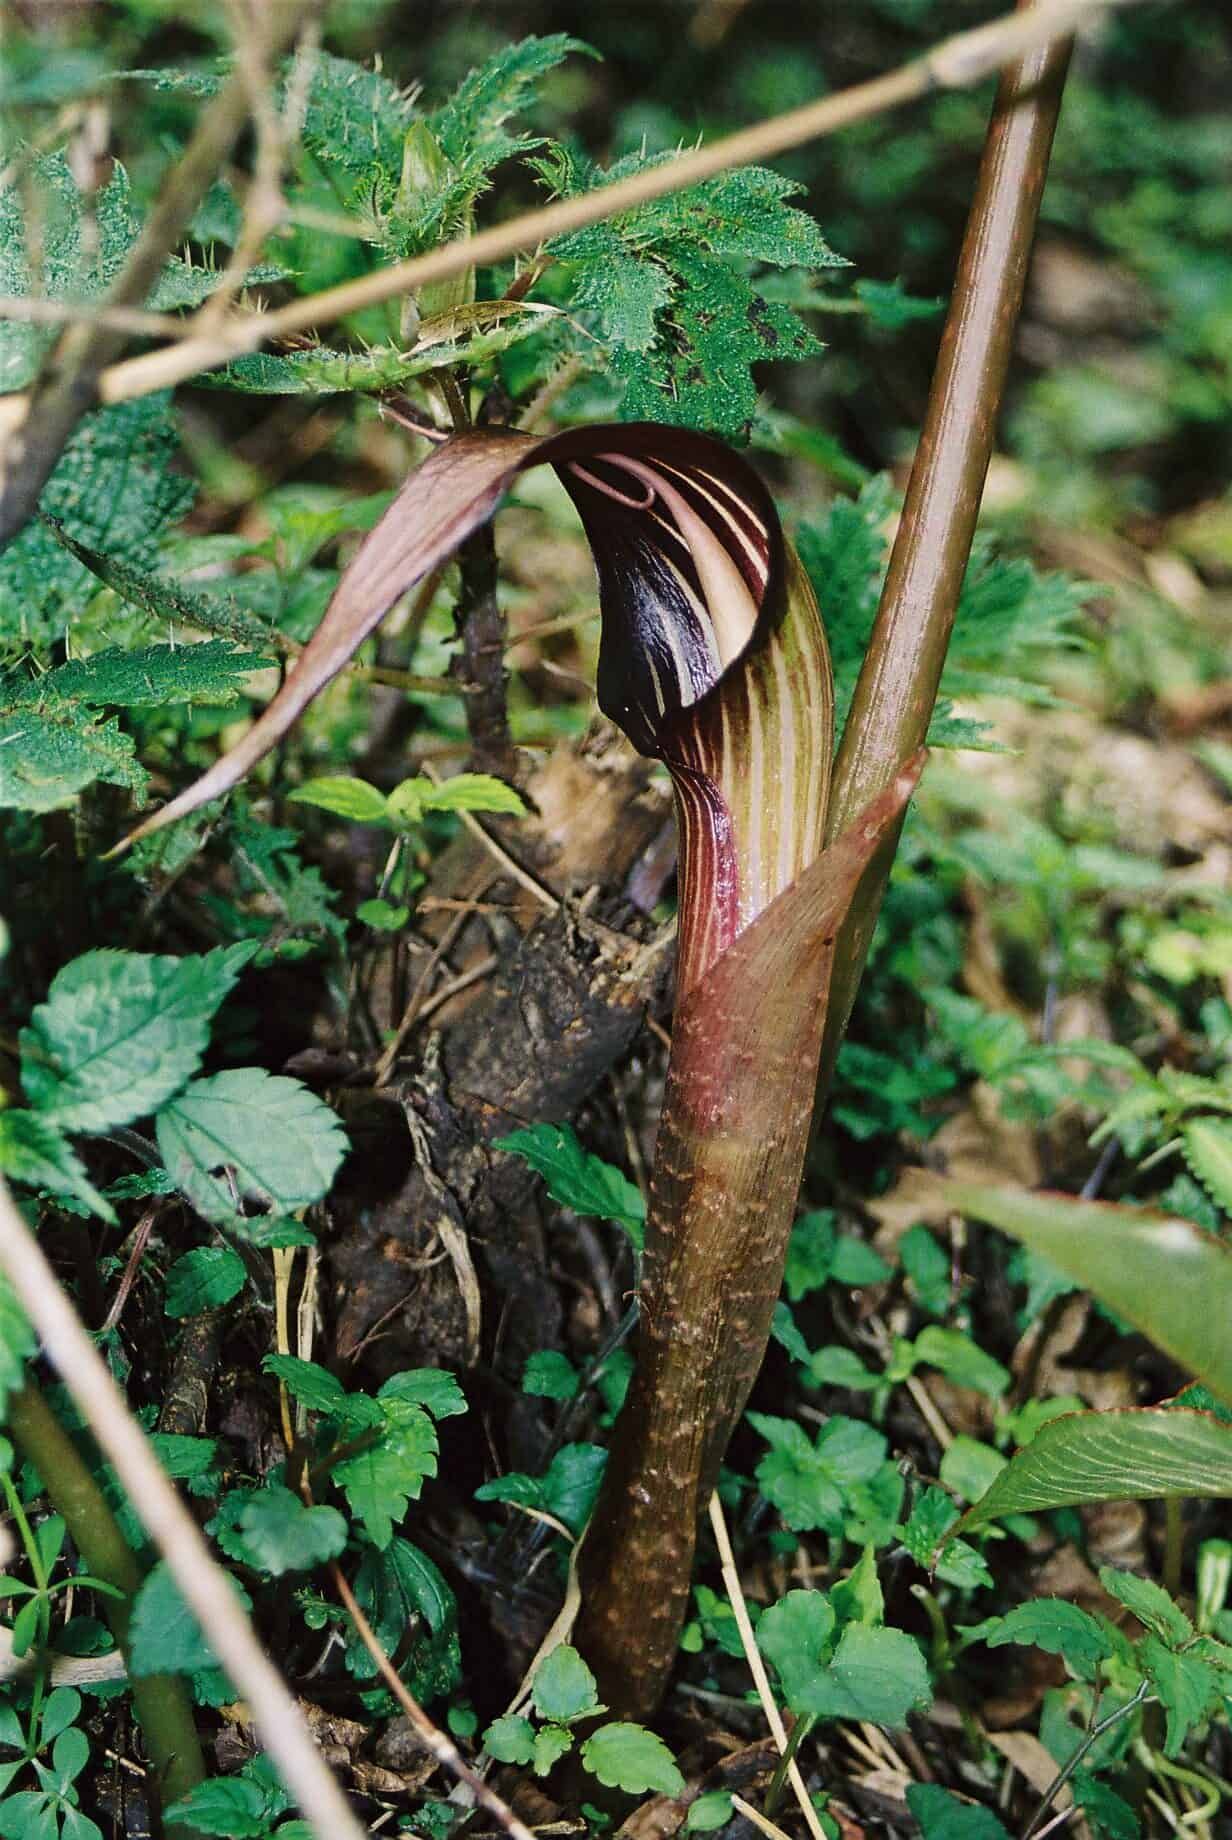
[970, 1467]
[628, 1757]
[274, 1142]
[1138, 1454]
[576, 1178]
[121, 1032]
[510, 1739]
[344, 797]
[280, 1534]
[203, 1279]
[401, 1591]
[797, 1635]
[1161, 1273]
[164, 1635]
[571, 1483]
[564, 1687]
[1108, 1811]
[711, 1809]
[32, 1151]
[962, 1360]
[1208, 1151]
[943, 1816]
[231, 1806]
[382, 915]
[857, 1263]
[874, 1674]
[467, 792]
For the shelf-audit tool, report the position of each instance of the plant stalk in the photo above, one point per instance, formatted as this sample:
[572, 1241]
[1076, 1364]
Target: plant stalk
[161, 1701]
[897, 687]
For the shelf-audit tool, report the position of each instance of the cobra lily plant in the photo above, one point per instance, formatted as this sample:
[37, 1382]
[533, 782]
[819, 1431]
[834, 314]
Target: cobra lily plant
[713, 659]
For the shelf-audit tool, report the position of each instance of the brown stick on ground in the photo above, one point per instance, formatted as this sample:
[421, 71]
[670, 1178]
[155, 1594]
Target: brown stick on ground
[721, 1203]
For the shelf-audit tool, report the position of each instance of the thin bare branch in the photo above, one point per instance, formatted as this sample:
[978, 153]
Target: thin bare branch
[204, 1585]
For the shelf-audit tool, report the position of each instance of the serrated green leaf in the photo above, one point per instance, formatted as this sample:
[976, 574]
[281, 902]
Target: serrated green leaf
[552, 1742]
[275, 1143]
[153, 675]
[32, 1151]
[1108, 1811]
[510, 1739]
[564, 1687]
[577, 1179]
[571, 1483]
[1208, 1151]
[433, 1388]
[230, 1806]
[810, 1254]
[1160, 1272]
[49, 754]
[172, 602]
[1130, 1454]
[1057, 1627]
[626, 1756]
[380, 1483]
[115, 489]
[202, 1280]
[164, 1635]
[809, 1482]
[1187, 1689]
[957, 1563]
[344, 797]
[1149, 1602]
[121, 1032]
[464, 792]
[306, 1381]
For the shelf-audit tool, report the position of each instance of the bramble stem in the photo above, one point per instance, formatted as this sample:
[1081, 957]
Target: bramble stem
[161, 1701]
